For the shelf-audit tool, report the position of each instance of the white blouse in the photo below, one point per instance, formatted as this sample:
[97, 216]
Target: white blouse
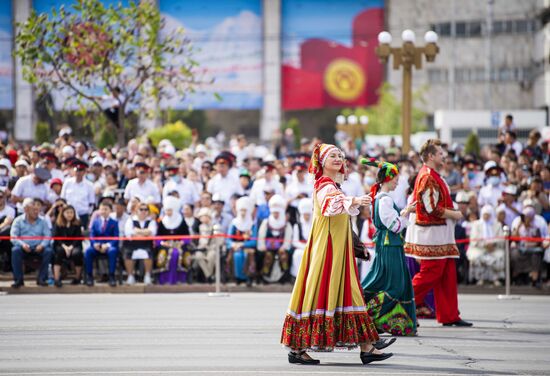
[389, 216]
[333, 202]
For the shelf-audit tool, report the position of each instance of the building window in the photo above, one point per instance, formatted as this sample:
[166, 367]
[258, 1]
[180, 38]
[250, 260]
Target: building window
[473, 29]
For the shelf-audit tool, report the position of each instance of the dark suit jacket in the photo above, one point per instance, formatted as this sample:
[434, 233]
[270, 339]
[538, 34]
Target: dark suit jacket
[110, 230]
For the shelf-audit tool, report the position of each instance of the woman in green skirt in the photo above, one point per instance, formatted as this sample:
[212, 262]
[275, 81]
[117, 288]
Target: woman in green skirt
[387, 287]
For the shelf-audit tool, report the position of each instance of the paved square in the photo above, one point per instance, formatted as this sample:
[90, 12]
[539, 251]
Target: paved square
[194, 334]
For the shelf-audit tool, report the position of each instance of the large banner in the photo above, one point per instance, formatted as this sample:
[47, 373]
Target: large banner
[227, 35]
[6, 62]
[328, 53]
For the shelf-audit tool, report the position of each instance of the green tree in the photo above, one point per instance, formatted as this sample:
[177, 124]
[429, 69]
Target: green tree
[385, 116]
[472, 144]
[42, 132]
[92, 51]
[178, 133]
[294, 124]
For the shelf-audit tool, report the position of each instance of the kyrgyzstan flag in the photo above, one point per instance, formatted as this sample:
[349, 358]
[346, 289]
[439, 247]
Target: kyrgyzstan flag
[335, 75]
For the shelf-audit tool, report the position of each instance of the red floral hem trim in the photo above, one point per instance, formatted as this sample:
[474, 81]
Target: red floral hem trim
[431, 251]
[324, 333]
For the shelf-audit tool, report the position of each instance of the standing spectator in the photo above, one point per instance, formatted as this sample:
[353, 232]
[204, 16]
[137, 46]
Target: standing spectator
[486, 251]
[30, 224]
[532, 148]
[223, 183]
[270, 179]
[512, 144]
[139, 225]
[103, 226]
[51, 163]
[492, 189]
[187, 191]
[31, 186]
[297, 189]
[142, 186]
[79, 193]
[452, 176]
[67, 225]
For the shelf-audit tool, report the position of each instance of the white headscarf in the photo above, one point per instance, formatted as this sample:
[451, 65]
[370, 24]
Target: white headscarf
[487, 224]
[244, 224]
[305, 206]
[277, 204]
[173, 221]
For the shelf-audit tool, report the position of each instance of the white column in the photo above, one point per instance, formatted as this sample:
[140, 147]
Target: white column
[271, 111]
[24, 105]
[149, 106]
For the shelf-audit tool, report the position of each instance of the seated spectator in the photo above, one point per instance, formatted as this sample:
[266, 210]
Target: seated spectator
[54, 193]
[204, 256]
[486, 254]
[171, 256]
[274, 242]
[140, 225]
[67, 225]
[189, 218]
[219, 216]
[241, 245]
[103, 226]
[526, 255]
[536, 194]
[492, 189]
[300, 233]
[30, 224]
[7, 215]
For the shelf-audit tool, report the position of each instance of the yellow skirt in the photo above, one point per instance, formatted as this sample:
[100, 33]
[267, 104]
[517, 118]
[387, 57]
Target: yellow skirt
[327, 309]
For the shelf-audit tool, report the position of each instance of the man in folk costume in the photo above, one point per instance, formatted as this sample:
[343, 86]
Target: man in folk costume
[430, 237]
[326, 309]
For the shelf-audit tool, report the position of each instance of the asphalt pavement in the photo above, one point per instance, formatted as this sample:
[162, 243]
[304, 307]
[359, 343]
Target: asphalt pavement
[195, 334]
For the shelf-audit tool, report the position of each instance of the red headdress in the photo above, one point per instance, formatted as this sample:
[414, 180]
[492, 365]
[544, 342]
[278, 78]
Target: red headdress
[318, 158]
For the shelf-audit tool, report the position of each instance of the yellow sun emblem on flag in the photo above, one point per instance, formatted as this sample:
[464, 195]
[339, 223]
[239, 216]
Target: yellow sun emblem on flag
[344, 80]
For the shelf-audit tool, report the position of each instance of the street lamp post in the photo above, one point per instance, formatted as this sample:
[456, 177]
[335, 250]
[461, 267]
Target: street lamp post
[353, 126]
[407, 55]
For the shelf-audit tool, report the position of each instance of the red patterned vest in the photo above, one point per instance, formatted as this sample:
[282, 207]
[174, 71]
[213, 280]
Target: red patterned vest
[432, 196]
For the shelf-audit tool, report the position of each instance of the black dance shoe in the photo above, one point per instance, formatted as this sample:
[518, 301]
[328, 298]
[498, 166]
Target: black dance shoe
[382, 343]
[297, 358]
[368, 357]
[459, 322]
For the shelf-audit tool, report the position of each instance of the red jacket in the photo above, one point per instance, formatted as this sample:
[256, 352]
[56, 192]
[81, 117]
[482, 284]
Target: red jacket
[432, 196]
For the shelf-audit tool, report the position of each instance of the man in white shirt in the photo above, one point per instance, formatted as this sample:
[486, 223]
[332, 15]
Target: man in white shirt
[297, 189]
[270, 179]
[142, 187]
[50, 163]
[511, 207]
[31, 186]
[79, 193]
[223, 183]
[511, 142]
[187, 191]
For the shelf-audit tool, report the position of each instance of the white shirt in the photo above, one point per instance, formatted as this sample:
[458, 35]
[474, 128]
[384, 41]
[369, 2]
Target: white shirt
[225, 187]
[389, 216]
[129, 228]
[80, 195]
[353, 186]
[121, 222]
[489, 195]
[142, 191]
[25, 187]
[399, 194]
[57, 174]
[257, 191]
[186, 189]
[294, 188]
[7, 212]
[510, 214]
[538, 221]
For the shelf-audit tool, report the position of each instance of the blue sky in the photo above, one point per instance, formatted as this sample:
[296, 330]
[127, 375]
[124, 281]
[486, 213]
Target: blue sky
[5, 16]
[329, 19]
[201, 15]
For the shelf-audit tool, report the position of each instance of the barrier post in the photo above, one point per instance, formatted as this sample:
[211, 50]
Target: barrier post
[508, 277]
[218, 292]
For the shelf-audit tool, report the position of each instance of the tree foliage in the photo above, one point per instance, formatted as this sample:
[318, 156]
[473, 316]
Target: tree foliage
[178, 133]
[93, 51]
[42, 132]
[472, 144]
[385, 116]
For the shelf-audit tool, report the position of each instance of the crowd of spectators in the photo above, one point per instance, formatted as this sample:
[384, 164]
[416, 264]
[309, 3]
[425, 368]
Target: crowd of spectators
[259, 197]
